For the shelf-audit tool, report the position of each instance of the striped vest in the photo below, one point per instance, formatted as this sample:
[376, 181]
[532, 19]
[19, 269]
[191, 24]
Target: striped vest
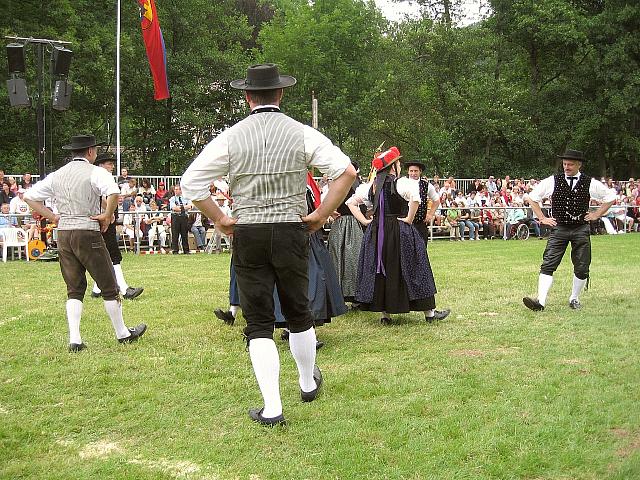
[76, 199]
[267, 169]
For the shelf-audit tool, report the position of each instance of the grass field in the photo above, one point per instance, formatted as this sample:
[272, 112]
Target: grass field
[493, 392]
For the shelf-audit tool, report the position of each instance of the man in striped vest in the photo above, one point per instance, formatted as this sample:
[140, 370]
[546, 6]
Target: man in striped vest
[266, 157]
[570, 193]
[77, 188]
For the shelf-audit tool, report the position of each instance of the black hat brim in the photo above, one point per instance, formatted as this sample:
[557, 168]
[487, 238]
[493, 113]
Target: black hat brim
[569, 157]
[78, 147]
[284, 82]
[421, 166]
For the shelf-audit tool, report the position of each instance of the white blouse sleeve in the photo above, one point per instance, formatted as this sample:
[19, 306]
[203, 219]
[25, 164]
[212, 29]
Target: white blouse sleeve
[361, 196]
[409, 189]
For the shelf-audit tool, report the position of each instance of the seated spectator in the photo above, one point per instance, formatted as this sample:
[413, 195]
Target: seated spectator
[123, 179]
[623, 221]
[486, 220]
[147, 191]
[162, 194]
[157, 230]
[532, 222]
[6, 220]
[475, 186]
[515, 217]
[130, 188]
[6, 195]
[464, 220]
[453, 213]
[13, 186]
[26, 181]
[498, 214]
[492, 186]
[195, 224]
[131, 226]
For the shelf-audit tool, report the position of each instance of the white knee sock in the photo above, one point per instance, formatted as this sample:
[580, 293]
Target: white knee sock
[429, 313]
[544, 285]
[122, 283]
[578, 285]
[74, 313]
[234, 310]
[114, 310]
[303, 349]
[266, 366]
[95, 287]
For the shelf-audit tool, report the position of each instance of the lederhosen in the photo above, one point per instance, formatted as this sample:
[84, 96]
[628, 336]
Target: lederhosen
[111, 241]
[569, 208]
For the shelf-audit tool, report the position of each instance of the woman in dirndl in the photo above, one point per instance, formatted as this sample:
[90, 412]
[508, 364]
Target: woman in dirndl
[394, 273]
[345, 239]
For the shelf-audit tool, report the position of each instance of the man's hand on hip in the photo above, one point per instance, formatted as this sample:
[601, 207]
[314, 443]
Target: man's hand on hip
[314, 221]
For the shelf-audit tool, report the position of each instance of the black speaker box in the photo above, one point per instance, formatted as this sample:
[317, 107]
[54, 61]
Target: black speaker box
[18, 96]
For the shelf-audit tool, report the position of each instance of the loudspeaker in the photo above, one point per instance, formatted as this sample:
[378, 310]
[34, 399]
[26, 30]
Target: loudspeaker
[61, 61]
[15, 57]
[18, 96]
[62, 95]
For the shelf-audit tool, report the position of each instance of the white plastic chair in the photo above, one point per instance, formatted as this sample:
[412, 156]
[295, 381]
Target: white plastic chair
[14, 237]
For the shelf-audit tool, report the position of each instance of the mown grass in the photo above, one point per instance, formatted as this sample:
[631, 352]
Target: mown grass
[493, 392]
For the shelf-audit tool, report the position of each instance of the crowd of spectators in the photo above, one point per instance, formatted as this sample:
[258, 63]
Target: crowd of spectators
[490, 208]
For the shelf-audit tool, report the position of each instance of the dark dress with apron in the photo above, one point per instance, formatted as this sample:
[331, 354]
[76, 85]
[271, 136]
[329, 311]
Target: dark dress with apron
[345, 239]
[394, 273]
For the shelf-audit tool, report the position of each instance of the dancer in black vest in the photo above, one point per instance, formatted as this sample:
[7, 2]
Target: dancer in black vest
[570, 193]
[107, 161]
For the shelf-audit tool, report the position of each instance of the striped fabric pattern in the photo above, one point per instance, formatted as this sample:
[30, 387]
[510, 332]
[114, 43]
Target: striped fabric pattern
[267, 169]
[76, 198]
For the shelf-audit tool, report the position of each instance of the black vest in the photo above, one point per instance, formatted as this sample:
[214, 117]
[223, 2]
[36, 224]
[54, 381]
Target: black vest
[570, 206]
[394, 203]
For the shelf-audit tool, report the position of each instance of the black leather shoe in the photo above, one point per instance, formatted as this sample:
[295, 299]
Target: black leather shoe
[319, 344]
[441, 314]
[533, 304]
[385, 321]
[136, 333]
[227, 317]
[76, 347]
[575, 304]
[311, 396]
[284, 335]
[256, 416]
[132, 292]
[95, 295]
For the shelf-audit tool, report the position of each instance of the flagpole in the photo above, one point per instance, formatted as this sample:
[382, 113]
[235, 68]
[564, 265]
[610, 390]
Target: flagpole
[118, 169]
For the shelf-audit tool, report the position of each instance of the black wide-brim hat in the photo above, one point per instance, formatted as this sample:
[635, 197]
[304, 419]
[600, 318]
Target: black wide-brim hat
[80, 142]
[573, 155]
[421, 166]
[264, 76]
[105, 157]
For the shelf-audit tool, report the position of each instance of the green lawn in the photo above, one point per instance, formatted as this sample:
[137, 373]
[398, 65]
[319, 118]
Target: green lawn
[493, 392]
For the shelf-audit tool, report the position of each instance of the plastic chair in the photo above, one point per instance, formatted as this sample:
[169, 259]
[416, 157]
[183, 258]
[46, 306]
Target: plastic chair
[14, 237]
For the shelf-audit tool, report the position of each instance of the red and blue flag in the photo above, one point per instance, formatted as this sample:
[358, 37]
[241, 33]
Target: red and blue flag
[154, 44]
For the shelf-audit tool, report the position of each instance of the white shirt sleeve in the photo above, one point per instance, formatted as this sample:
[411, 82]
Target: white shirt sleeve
[409, 189]
[600, 192]
[42, 190]
[103, 183]
[361, 196]
[432, 194]
[323, 154]
[210, 165]
[543, 190]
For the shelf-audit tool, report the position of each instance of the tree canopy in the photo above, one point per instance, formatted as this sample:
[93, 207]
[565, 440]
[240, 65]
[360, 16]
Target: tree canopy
[501, 96]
